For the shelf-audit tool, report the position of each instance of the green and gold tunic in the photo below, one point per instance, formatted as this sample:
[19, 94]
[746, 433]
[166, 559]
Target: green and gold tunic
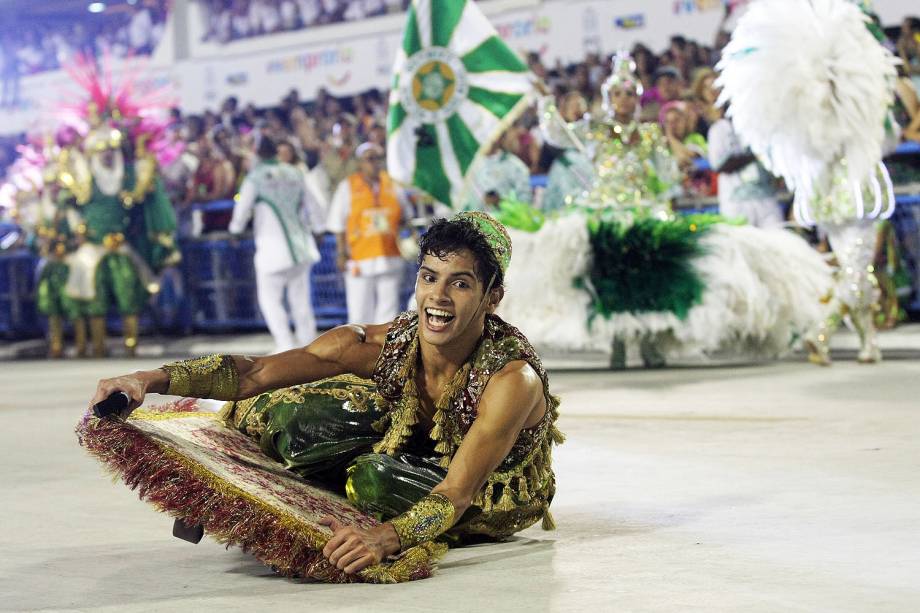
[519, 491]
[366, 436]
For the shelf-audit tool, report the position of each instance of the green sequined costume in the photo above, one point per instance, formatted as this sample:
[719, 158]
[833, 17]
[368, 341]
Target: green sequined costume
[50, 296]
[365, 437]
[129, 236]
[635, 175]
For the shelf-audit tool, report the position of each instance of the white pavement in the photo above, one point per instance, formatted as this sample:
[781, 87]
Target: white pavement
[781, 487]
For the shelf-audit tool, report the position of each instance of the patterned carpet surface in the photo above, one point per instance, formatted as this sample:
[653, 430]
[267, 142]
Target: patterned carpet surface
[187, 463]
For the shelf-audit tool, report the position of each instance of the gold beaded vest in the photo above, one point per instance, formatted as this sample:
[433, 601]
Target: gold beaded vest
[519, 491]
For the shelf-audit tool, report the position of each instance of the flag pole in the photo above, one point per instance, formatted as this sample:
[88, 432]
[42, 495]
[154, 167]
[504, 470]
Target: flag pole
[541, 88]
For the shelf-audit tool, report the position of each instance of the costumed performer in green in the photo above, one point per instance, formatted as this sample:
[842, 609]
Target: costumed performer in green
[441, 421]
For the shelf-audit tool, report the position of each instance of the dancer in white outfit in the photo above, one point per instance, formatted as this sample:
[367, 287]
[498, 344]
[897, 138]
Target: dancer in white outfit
[824, 131]
[286, 217]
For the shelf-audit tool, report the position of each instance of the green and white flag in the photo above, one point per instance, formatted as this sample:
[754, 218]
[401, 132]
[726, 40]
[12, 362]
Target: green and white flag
[456, 87]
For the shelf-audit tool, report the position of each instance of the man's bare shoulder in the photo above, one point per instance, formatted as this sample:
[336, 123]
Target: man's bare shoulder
[517, 381]
[376, 334]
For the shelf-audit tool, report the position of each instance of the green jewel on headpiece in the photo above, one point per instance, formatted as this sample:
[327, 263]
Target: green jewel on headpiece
[494, 233]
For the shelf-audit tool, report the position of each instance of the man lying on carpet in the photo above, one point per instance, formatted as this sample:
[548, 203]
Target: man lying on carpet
[440, 422]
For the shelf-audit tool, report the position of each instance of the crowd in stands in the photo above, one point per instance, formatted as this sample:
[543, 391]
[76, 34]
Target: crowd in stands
[321, 135]
[230, 20]
[29, 46]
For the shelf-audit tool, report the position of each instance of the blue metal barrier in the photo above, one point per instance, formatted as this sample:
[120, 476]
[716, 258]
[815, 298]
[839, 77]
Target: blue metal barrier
[214, 289]
[220, 285]
[906, 222]
[18, 315]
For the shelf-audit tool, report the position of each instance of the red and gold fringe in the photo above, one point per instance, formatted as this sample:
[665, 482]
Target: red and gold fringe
[172, 484]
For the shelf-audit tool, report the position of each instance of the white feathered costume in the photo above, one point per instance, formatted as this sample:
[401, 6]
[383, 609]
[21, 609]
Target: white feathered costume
[763, 290]
[810, 90]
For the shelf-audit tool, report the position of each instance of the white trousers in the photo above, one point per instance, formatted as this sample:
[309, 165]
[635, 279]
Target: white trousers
[270, 288]
[372, 299]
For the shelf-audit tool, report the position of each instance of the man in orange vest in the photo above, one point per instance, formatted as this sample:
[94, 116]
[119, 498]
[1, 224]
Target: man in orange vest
[366, 214]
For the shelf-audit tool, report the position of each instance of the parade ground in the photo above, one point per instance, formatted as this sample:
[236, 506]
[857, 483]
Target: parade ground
[771, 487]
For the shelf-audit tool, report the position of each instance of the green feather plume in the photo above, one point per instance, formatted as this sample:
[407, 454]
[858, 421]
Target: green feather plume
[645, 266]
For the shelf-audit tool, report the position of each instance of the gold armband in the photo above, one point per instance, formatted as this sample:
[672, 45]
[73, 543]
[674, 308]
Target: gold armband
[427, 519]
[212, 376]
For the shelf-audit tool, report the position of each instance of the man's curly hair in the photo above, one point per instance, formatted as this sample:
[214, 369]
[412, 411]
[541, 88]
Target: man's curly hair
[447, 236]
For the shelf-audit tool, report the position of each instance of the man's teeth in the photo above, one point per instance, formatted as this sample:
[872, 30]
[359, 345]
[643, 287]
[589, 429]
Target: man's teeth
[439, 316]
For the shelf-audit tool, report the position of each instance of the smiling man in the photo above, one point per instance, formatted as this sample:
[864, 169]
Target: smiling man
[440, 422]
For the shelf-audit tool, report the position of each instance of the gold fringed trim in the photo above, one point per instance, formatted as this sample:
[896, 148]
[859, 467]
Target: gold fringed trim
[436, 430]
[381, 424]
[401, 422]
[110, 442]
[556, 434]
[523, 494]
[405, 567]
[157, 416]
[444, 433]
[506, 502]
[227, 413]
[487, 503]
[548, 522]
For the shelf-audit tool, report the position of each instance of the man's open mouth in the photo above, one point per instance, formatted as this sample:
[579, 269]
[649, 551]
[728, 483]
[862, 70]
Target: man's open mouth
[438, 317]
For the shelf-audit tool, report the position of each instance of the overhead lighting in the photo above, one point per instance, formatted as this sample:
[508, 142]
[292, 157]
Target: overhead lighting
[132, 2]
[96, 7]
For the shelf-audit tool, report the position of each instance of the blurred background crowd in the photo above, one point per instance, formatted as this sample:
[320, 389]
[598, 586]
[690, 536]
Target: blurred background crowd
[320, 132]
[33, 46]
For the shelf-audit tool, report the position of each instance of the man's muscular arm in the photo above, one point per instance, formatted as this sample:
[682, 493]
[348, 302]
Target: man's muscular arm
[347, 349]
[512, 400]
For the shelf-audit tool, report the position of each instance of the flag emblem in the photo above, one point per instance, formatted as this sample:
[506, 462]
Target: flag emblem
[456, 87]
[436, 84]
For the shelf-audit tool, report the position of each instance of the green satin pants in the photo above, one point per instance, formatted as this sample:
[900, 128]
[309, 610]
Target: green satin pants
[50, 296]
[325, 432]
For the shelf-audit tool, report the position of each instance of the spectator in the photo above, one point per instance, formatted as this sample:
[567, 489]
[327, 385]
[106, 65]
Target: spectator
[702, 99]
[288, 154]
[646, 65]
[30, 56]
[214, 179]
[745, 189]
[9, 65]
[310, 12]
[667, 84]
[140, 31]
[333, 11]
[571, 171]
[684, 144]
[366, 216]
[240, 22]
[290, 20]
[909, 48]
[499, 175]
[337, 153]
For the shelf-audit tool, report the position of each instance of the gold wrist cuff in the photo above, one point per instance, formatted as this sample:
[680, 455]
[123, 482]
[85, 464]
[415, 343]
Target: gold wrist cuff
[212, 376]
[426, 520]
